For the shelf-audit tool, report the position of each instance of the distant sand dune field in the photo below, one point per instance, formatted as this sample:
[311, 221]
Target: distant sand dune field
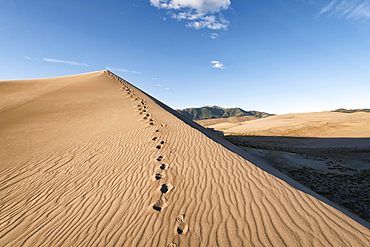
[213, 121]
[316, 124]
[87, 161]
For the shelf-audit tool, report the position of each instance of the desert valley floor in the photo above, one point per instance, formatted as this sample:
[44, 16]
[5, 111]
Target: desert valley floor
[91, 160]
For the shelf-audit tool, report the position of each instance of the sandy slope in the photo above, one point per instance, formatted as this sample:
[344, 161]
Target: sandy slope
[82, 164]
[316, 124]
[213, 121]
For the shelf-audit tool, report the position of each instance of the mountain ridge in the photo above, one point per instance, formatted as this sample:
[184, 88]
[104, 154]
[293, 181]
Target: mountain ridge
[212, 112]
[343, 110]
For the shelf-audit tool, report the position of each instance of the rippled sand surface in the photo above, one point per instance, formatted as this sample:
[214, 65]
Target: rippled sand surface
[90, 160]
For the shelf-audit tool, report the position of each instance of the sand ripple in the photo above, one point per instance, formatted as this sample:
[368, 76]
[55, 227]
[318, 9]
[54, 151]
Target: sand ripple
[152, 180]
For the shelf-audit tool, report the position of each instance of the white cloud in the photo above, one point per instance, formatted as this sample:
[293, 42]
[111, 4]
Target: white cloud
[110, 68]
[27, 57]
[349, 9]
[159, 85]
[218, 65]
[198, 13]
[129, 71]
[123, 70]
[328, 7]
[154, 79]
[51, 60]
[214, 36]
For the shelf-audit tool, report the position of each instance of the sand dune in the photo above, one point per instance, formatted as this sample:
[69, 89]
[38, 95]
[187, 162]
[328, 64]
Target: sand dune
[213, 121]
[86, 161]
[316, 124]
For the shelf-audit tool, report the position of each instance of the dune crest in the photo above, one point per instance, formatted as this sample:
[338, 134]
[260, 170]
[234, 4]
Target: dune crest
[95, 163]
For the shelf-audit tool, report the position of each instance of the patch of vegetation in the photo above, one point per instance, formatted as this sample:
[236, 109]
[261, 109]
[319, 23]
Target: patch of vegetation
[351, 191]
[210, 112]
[338, 182]
[351, 110]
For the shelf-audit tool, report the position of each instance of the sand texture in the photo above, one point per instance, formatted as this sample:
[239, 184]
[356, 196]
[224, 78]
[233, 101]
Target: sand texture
[214, 121]
[87, 161]
[315, 124]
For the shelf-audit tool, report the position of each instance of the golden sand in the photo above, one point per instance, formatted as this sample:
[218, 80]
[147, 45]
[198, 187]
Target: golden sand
[87, 161]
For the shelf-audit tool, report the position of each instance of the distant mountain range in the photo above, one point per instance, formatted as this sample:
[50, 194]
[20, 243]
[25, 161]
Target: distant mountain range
[352, 110]
[210, 112]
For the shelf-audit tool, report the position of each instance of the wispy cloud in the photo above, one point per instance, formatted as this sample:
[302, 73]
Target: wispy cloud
[218, 65]
[110, 68]
[123, 70]
[214, 36]
[349, 9]
[198, 13]
[51, 60]
[129, 71]
[27, 57]
[159, 85]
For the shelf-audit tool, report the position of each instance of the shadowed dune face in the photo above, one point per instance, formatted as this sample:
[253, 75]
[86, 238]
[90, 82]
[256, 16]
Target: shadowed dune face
[80, 166]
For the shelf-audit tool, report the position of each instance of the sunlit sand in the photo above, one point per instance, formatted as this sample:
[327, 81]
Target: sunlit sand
[91, 160]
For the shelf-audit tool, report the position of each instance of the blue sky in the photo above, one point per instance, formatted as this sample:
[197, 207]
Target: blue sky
[277, 56]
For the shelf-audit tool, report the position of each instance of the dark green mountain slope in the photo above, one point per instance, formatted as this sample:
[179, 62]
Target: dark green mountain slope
[352, 110]
[208, 112]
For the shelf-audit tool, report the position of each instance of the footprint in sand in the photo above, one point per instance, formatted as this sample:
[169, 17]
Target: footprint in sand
[160, 204]
[160, 145]
[159, 176]
[150, 119]
[162, 167]
[181, 226]
[165, 188]
[172, 245]
[154, 138]
[160, 158]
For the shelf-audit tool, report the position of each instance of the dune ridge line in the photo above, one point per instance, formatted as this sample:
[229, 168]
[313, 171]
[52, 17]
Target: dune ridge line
[98, 162]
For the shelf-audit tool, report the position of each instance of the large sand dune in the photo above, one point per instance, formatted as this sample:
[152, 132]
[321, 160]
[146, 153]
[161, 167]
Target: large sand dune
[86, 161]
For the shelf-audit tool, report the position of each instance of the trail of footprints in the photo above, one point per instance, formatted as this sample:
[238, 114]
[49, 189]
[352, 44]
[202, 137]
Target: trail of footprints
[181, 227]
